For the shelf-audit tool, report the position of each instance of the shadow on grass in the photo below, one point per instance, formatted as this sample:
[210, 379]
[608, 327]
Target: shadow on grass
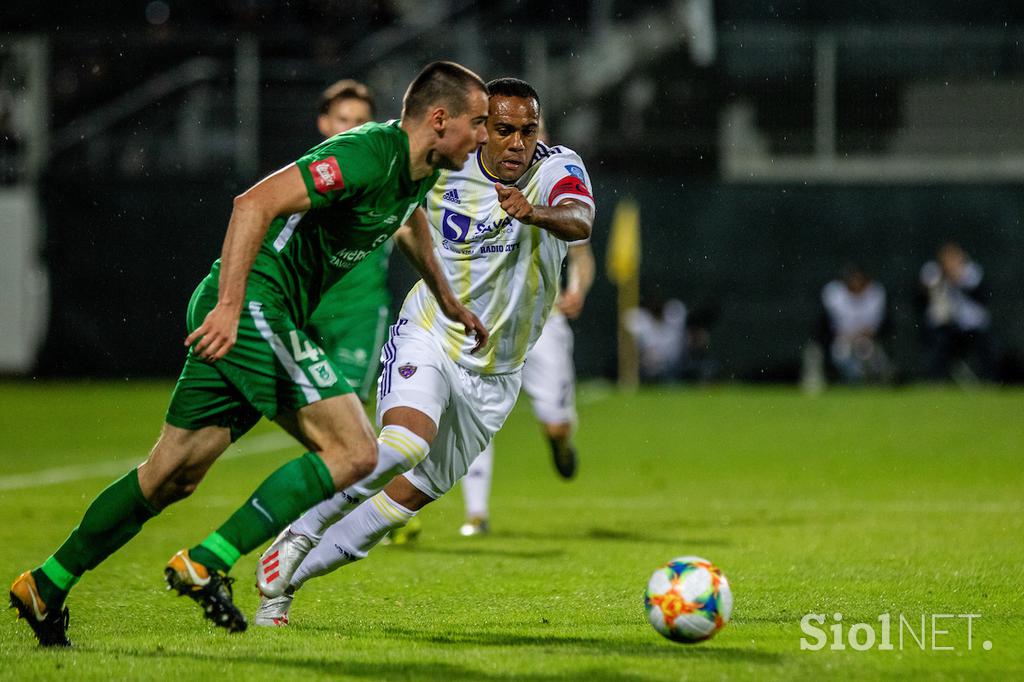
[611, 535]
[463, 550]
[593, 646]
[338, 667]
[588, 646]
[772, 519]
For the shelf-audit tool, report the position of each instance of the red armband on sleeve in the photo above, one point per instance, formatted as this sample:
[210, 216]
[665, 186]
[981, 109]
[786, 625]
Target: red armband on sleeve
[570, 184]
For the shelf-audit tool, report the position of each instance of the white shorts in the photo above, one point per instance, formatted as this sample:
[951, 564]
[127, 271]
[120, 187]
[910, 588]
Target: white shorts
[468, 408]
[549, 377]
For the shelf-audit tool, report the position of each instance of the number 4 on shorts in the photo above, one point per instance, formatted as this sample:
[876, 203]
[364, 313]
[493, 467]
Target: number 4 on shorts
[322, 372]
[302, 349]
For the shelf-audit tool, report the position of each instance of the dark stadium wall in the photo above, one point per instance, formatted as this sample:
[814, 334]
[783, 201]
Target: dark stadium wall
[124, 261]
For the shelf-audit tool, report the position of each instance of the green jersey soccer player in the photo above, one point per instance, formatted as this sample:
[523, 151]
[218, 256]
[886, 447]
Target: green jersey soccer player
[290, 238]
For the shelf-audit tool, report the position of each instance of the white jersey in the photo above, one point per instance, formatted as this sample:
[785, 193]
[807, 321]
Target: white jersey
[507, 273]
[850, 313]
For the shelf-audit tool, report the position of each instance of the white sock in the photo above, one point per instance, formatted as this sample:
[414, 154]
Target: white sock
[476, 485]
[353, 537]
[398, 450]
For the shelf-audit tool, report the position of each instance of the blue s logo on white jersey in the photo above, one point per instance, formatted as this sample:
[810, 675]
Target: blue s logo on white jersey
[576, 172]
[455, 226]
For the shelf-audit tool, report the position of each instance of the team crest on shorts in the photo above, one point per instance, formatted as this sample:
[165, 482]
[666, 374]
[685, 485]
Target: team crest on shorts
[407, 371]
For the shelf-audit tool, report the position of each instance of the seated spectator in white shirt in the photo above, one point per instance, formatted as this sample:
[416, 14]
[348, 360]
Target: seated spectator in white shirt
[660, 332]
[854, 320]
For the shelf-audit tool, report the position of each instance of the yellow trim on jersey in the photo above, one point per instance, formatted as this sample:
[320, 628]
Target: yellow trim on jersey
[488, 173]
[533, 277]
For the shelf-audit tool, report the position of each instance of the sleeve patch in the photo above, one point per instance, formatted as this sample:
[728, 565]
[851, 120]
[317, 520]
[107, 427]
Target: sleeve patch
[570, 184]
[326, 175]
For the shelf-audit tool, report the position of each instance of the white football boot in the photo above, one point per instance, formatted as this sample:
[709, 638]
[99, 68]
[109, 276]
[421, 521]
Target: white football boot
[278, 563]
[476, 525]
[273, 611]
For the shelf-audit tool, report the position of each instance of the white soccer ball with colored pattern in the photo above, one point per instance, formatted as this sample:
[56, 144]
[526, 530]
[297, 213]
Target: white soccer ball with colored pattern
[688, 600]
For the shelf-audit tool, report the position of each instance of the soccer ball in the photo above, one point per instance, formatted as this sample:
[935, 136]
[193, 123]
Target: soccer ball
[688, 599]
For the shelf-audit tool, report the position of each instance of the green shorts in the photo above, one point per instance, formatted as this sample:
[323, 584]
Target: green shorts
[352, 340]
[272, 368]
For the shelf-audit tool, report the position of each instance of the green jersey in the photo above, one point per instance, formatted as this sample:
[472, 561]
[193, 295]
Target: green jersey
[360, 191]
[350, 322]
[365, 286]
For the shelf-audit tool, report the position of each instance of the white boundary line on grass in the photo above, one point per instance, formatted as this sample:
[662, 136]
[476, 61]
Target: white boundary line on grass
[257, 445]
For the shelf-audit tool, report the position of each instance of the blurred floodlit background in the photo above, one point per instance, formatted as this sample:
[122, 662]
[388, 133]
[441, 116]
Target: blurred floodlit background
[767, 146]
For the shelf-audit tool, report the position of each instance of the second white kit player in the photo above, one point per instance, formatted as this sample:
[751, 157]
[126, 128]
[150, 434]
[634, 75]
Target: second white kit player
[501, 229]
[549, 380]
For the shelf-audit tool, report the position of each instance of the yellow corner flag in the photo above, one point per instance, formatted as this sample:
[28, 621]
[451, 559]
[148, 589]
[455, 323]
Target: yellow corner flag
[624, 242]
[623, 261]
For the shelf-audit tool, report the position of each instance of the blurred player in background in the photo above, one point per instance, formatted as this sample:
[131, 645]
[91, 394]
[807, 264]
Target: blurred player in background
[549, 379]
[289, 239]
[351, 320]
[344, 105]
[502, 226]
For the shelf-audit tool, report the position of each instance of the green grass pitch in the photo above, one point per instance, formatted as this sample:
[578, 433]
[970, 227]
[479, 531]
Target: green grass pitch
[855, 502]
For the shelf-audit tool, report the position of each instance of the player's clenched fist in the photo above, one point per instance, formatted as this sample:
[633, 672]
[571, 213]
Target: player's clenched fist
[514, 203]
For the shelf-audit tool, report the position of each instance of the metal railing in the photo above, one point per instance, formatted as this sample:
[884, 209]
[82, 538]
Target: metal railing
[882, 105]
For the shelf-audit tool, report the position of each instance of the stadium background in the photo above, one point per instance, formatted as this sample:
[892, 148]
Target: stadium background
[766, 145]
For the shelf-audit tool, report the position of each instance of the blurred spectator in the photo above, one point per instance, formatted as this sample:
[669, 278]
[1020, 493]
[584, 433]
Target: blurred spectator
[659, 328]
[853, 319]
[956, 320]
[673, 343]
[699, 363]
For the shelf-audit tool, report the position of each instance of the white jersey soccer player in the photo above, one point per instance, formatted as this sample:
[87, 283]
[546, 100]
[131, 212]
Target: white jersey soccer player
[500, 237]
[549, 378]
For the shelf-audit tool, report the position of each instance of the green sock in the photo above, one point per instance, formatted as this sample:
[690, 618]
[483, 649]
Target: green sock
[113, 518]
[52, 593]
[279, 500]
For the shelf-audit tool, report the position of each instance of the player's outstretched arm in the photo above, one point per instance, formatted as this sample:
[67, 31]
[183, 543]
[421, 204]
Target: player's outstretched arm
[570, 220]
[415, 241]
[281, 193]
